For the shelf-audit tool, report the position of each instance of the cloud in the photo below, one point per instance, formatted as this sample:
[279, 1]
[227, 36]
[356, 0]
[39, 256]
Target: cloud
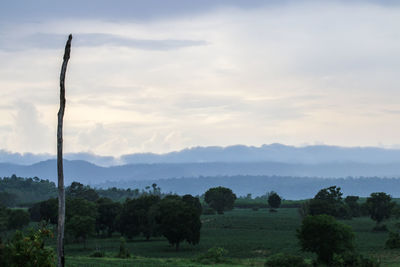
[55, 41]
[294, 72]
[28, 133]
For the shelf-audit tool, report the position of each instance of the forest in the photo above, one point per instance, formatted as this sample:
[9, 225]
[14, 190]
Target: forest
[148, 227]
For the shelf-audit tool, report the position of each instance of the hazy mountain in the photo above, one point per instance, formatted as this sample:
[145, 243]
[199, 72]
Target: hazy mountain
[89, 173]
[238, 153]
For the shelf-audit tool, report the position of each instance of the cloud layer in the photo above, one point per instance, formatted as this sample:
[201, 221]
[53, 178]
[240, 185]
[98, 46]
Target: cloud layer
[294, 72]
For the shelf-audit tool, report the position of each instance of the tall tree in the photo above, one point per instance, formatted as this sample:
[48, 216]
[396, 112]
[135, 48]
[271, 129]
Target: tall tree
[60, 170]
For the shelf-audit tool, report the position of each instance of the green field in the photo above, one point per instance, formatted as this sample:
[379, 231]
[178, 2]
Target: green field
[249, 236]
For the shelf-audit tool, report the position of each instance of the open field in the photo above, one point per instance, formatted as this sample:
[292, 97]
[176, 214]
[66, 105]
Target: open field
[249, 236]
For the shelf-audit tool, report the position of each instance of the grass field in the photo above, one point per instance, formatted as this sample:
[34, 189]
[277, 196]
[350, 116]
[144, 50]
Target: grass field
[249, 236]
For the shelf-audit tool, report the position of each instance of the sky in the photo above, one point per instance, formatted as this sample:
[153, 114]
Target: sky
[158, 76]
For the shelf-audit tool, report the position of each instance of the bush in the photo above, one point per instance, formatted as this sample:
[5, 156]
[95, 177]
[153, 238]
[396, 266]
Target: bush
[208, 211]
[323, 235]
[255, 208]
[393, 241]
[285, 260]
[353, 259]
[213, 255]
[27, 250]
[123, 251]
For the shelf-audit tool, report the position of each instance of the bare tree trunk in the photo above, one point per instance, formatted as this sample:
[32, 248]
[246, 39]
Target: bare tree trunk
[60, 170]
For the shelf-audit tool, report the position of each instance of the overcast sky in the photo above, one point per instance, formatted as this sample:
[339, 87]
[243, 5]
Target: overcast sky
[157, 76]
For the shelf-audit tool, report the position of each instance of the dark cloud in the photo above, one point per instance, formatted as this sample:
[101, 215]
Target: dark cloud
[55, 41]
[29, 11]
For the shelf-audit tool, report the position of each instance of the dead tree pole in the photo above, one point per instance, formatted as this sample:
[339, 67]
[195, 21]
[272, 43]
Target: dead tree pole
[60, 170]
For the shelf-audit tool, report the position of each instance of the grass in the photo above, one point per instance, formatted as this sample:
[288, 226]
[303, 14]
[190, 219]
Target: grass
[249, 236]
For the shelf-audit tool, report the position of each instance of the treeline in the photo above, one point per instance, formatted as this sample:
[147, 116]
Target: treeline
[19, 191]
[177, 218]
[291, 187]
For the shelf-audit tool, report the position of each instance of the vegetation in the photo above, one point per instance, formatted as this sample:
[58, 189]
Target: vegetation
[179, 220]
[274, 200]
[220, 198]
[27, 250]
[323, 235]
[379, 206]
[240, 237]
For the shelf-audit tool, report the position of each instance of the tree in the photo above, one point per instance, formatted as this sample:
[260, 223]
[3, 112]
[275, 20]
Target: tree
[7, 199]
[328, 201]
[27, 251]
[274, 200]
[137, 216]
[60, 168]
[379, 206]
[352, 203]
[323, 235]
[80, 218]
[107, 211]
[77, 189]
[17, 219]
[220, 198]
[178, 221]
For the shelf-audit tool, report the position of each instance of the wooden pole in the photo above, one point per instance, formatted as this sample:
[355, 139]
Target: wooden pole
[60, 170]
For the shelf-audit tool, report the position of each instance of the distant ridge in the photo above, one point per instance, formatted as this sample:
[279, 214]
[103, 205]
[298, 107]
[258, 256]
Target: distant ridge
[88, 173]
[316, 154]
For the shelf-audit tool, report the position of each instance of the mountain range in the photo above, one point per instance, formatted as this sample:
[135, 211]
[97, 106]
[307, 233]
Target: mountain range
[273, 160]
[239, 153]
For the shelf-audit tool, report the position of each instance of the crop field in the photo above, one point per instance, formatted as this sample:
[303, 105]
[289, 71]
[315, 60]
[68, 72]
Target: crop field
[248, 236]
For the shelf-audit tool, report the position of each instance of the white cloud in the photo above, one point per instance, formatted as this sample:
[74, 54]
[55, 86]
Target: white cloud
[295, 73]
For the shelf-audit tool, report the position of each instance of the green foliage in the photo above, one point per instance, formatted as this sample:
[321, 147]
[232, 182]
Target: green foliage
[329, 201]
[380, 206]
[46, 210]
[78, 190]
[208, 211]
[26, 190]
[27, 250]
[4, 212]
[7, 199]
[80, 227]
[220, 198]
[353, 205]
[285, 260]
[137, 216]
[107, 212]
[274, 200]
[118, 194]
[178, 220]
[323, 235]
[123, 251]
[17, 219]
[393, 241]
[352, 259]
[213, 255]
[80, 218]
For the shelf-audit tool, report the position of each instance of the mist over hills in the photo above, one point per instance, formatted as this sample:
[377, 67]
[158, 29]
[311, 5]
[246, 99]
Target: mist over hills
[245, 169]
[239, 153]
[89, 173]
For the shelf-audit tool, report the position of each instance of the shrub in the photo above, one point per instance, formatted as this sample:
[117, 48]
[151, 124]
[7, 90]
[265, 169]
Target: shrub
[325, 236]
[285, 260]
[353, 259]
[393, 241]
[123, 251]
[213, 255]
[208, 211]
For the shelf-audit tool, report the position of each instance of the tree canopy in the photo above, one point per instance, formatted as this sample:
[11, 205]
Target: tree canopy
[220, 198]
